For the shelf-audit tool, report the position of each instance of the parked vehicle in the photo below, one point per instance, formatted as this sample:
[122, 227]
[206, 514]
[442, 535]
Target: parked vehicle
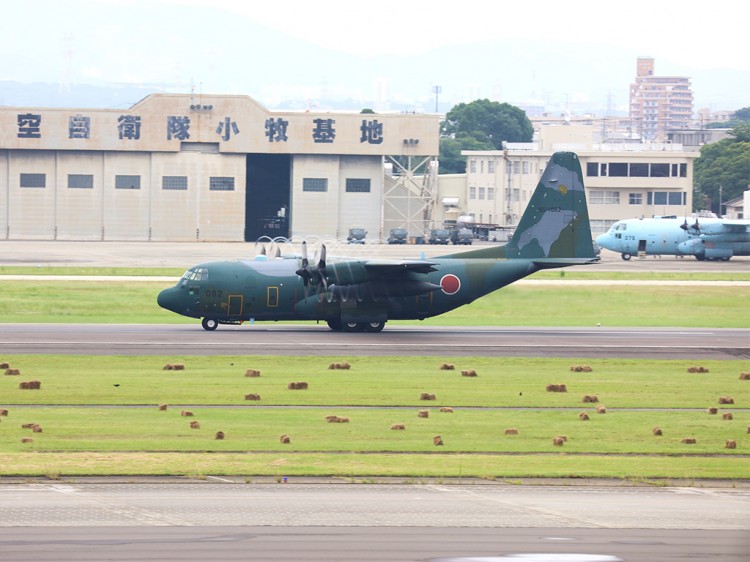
[440, 236]
[357, 235]
[462, 236]
[398, 236]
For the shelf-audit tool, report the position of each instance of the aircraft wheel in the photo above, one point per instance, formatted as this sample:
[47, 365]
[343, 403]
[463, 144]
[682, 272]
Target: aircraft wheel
[374, 326]
[352, 326]
[626, 256]
[210, 324]
[334, 325]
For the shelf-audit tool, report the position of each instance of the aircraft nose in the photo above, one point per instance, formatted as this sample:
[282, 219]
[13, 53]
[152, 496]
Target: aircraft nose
[167, 299]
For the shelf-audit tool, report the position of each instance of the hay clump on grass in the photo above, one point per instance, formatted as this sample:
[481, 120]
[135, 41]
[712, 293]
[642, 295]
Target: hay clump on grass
[5, 366]
[426, 396]
[27, 425]
[557, 388]
[423, 414]
[590, 399]
[340, 366]
[726, 400]
[186, 413]
[447, 367]
[657, 431]
[446, 410]
[581, 368]
[727, 416]
[745, 376]
[558, 441]
[252, 396]
[689, 441]
[195, 425]
[337, 419]
[174, 367]
[26, 440]
[12, 372]
[730, 444]
[712, 411]
[30, 385]
[297, 386]
[219, 435]
[601, 409]
[437, 440]
[583, 416]
[3, 412]
[511, 431]
[285, 439]
[398, 426]
[252, 373]
[697, 370]
[469, 373]
[36, 428]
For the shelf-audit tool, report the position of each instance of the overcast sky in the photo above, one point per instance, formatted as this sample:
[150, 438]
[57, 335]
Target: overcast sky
[167, 41]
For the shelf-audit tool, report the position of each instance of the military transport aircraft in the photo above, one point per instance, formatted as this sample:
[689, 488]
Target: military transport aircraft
[704, 238]
[362, 294]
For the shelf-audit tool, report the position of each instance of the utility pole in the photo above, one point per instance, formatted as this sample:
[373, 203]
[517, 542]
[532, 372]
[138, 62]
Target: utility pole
[436, 90]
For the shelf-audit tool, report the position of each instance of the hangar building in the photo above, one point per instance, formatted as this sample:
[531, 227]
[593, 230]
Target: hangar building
[215, 168]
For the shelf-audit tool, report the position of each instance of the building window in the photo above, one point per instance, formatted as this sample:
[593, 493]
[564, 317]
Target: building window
[174, 182]
[659, 170]
[635, 198]
[618, 170]
[473, 166]
[490, 193]
[600, 197]
[472, 193]
[315, 184]
[638, 170]
[481, 193]
[81, 181]
[525, 167]
[33, 180]
[491, 167]
[127, 182]
[481, 166]
[221, 184]
[676, 198]
[357, 185]
[516, 167]
[592, 169]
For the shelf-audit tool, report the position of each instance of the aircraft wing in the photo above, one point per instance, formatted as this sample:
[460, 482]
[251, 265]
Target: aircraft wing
[725, 227]
[390, 266]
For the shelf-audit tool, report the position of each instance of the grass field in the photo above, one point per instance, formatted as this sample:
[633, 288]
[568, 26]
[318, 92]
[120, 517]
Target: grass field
[99, 415]
[516, 305]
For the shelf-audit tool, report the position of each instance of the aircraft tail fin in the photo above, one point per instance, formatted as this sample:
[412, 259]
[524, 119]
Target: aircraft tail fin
[554, 228]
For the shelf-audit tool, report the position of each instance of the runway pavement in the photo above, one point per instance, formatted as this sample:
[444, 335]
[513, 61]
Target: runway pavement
[225, 519]
[312, 339]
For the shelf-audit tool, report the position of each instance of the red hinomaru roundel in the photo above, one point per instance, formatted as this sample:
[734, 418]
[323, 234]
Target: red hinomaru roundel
[450, 284]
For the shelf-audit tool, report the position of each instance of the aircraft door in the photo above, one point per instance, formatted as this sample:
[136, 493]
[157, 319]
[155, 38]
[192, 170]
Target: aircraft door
[424, 303]
[235, 305]
[641, 247]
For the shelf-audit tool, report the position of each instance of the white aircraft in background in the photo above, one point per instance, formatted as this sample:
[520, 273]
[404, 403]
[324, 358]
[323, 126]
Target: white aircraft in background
[704, 238]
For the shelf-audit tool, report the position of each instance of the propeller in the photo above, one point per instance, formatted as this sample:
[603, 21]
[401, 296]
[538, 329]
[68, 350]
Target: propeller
[316, 273]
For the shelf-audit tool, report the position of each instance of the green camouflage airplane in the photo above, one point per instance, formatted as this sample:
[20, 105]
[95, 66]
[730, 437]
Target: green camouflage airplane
[363, 294]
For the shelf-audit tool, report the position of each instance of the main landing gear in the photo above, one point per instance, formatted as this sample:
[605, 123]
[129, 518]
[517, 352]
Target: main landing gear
[338, 326]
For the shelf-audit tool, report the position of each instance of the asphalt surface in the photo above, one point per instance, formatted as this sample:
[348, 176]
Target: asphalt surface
[221, 519]
[312, 339]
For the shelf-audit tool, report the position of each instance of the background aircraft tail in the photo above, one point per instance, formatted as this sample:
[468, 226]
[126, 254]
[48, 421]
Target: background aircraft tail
[554, 228]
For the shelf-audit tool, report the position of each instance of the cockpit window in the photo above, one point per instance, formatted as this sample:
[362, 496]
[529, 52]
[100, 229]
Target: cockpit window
[197, 274]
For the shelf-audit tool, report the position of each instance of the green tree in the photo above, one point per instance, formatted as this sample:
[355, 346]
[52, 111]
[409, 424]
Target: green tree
[723, 170]
[480, 125]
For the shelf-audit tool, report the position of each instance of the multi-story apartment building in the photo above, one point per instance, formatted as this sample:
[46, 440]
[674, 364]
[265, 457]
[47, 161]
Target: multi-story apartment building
[622, 180]
[659, 103]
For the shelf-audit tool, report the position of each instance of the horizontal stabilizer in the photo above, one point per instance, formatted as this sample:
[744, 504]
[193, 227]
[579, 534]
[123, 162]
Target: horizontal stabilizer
[551, 263]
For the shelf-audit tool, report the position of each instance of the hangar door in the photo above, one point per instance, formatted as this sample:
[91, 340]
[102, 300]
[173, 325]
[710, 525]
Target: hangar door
[267, 196]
